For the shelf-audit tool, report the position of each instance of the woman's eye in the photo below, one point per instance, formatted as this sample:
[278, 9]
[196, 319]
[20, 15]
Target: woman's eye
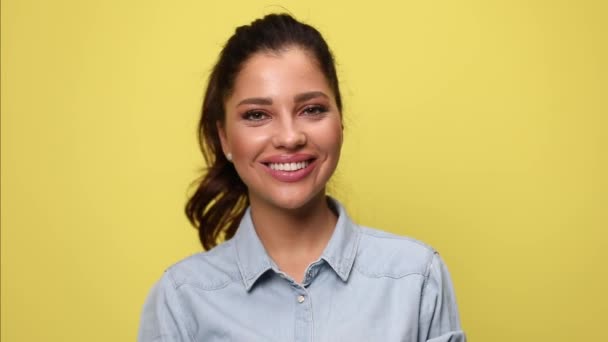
[315, 110]
[255, 115]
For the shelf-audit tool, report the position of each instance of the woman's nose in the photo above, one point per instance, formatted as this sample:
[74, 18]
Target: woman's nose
[289, 136]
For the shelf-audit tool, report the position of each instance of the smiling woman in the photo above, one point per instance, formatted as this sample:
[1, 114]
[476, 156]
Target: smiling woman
[293, 266]
[280, 117]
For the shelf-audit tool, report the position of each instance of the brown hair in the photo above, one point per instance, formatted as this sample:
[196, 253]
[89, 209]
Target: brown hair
[221, 198]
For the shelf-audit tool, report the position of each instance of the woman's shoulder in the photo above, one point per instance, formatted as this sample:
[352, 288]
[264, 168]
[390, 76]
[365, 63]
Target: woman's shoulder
[381, 253]
[207, 270]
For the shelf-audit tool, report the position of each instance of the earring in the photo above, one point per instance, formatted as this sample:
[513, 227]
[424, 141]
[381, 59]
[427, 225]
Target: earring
[229, 157]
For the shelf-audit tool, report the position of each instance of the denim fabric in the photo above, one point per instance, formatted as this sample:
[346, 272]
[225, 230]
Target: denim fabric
[368, 285]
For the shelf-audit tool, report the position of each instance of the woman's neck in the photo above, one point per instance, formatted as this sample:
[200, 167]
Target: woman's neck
[294, 238]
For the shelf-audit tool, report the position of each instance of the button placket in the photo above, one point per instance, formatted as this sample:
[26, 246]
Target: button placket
[303, 315]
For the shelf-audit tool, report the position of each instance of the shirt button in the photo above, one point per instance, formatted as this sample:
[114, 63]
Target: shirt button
[301, 299]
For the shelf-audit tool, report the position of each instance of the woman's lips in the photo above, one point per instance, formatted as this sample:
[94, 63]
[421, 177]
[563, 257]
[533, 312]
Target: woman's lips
[290, 171]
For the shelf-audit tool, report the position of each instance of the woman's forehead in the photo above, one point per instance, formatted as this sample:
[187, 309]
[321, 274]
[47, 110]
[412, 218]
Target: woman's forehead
[279, 73]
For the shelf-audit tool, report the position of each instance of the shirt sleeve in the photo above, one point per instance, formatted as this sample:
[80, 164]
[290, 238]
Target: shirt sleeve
[162, 318]
[439, 319]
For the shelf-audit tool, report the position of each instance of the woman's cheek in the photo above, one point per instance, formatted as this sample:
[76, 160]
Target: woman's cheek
[249, 142]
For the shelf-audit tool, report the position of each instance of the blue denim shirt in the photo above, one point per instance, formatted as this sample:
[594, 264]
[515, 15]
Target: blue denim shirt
[368, 285]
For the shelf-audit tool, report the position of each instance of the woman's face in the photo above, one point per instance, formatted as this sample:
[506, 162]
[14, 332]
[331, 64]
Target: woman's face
[283, 129]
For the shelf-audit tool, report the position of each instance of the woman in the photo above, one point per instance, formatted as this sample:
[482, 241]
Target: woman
[293, 266]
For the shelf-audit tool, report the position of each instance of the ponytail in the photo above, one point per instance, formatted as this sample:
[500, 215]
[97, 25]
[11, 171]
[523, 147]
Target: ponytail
[217, 205]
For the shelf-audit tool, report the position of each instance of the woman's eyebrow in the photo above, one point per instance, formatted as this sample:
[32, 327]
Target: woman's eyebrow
[297, 99]
[309, 95]
[256, 100]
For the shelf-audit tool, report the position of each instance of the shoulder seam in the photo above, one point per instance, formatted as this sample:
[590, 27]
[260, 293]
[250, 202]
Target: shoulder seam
[427, 272]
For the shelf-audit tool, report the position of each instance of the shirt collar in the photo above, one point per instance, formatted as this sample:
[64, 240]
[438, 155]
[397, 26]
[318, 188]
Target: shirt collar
[341, 249]
[251, 257]
[253, 261]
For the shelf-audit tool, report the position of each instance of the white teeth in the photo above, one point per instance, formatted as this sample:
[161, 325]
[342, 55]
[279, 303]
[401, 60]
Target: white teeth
[288, 166]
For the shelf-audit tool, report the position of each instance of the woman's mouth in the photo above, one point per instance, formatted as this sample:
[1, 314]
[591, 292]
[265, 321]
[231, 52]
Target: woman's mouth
[290, 172]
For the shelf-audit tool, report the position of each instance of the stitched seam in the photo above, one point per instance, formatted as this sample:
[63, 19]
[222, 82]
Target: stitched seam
[355, 244]
[427, 272]
[257, 275]
[206, 288]
[347, 260]
[179, 295]
[242, 271]
[233, 277]
[245, 274]
[401, 238]
[391, 276]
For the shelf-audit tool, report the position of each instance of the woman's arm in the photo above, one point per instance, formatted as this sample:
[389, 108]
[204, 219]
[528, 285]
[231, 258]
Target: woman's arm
[439, 319]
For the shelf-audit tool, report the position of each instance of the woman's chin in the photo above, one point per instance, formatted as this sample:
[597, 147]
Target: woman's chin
[292, 202]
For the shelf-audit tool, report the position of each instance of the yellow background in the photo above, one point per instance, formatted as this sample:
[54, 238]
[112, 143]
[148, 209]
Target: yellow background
[476, 126]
